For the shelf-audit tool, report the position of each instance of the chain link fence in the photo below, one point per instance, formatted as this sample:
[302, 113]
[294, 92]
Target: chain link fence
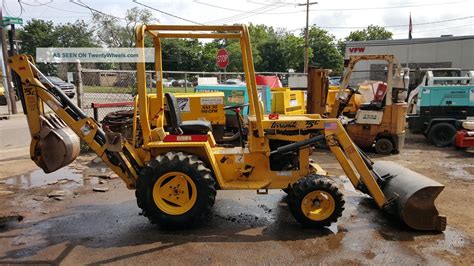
[106, 91]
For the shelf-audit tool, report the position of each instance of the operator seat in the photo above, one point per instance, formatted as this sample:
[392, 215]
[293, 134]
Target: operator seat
[378, 102]
[179, 127]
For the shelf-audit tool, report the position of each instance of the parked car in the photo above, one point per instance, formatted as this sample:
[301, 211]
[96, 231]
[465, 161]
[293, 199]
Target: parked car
[234, 82]
[68, 88]
[182, 83]
[335, 81]
[166, 82]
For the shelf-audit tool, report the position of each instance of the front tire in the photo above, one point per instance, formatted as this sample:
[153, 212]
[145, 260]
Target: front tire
[383, 146]
[442, 134]
[176, 190]
[315, 201]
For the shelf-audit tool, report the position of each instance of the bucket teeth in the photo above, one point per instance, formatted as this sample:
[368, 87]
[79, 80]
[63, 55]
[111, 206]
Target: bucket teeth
[411, 196]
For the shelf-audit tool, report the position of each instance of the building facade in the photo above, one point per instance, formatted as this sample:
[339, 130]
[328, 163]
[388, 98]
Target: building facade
[439, 52]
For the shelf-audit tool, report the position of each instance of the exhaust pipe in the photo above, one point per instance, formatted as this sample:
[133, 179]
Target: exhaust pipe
[411, 196]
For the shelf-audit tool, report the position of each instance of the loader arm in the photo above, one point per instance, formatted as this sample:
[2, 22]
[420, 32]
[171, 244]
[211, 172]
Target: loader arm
[42, 125]
[396, 189]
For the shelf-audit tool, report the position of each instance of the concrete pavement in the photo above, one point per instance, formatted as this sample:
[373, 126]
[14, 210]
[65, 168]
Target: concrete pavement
[14, 133]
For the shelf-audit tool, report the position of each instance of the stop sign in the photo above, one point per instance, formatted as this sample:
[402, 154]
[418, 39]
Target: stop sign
[222, 58]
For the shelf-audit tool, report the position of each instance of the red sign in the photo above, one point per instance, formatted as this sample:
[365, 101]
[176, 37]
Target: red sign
[222, 58]
[356, 49]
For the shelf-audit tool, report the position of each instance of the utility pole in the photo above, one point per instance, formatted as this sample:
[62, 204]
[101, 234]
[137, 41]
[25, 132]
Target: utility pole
[306, 32]
[12, 51]
[9, 88]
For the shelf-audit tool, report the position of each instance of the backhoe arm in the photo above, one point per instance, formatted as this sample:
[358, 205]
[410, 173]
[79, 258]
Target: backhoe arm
[53, 135]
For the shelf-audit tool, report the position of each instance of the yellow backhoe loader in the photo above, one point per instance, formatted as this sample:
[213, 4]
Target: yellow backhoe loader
[176, 172]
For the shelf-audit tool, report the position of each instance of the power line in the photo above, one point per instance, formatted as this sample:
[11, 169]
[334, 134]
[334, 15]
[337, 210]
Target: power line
[81, 4]
[261, 10]
[325, 10]
[50, 17]
[166, 13]
[235, 10]
[398, 26]
[386, 26]
[242, 14]
[65, 10]
[39, 4]
[438, 29]
[21, 8]
[387, 7]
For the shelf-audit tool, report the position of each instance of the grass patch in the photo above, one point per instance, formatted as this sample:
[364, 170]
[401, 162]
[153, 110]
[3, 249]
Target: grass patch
[129, 90]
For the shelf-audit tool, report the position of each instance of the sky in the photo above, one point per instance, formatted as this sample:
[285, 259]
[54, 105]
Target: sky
[339, 17]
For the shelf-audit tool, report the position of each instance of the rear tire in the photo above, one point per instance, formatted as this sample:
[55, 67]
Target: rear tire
[442, 134]
[383, 146]
[176, 190]
[315, 201]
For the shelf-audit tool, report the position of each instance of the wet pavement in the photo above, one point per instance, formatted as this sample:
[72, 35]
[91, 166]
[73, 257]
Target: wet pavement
[87, 227]
[245, 229]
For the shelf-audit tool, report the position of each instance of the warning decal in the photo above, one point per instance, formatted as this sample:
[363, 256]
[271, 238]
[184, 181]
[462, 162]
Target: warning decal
[184, 104]
[211, 101]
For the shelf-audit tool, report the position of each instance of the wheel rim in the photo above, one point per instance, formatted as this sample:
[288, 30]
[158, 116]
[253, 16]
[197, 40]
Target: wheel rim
[384, 146]
[318, 205]
[174, 193]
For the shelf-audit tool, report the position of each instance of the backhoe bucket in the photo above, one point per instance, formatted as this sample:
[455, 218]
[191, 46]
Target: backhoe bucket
[57, 146]
[411, 196]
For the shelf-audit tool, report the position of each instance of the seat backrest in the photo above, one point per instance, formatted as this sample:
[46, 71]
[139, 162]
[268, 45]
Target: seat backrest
[174, 113]
[380, 93]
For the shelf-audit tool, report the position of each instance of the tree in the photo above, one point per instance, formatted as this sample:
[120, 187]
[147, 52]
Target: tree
[182, 54]
[40, 33]
[272, 56]
[372, 32]
[324, 51]
[76, 34]
[36, 33]
[293, 52]
[112, 33]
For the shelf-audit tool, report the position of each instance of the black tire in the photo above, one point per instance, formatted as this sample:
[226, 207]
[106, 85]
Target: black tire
[189, 165]
[383, 146]
[442, 134]
[315, 183]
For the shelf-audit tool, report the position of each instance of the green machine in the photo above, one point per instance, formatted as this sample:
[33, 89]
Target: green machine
[440, 104]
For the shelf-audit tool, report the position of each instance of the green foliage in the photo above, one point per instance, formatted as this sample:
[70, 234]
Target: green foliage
[293, 52]
[371, 33]
[324, 51]
[39, 33]
[273, 50]
[272, 56]
[179, 54]
[36, 33]
[113, 33]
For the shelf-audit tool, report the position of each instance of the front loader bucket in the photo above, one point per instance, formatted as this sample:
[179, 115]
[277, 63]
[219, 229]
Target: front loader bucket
[411, 196]
[57, 145]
